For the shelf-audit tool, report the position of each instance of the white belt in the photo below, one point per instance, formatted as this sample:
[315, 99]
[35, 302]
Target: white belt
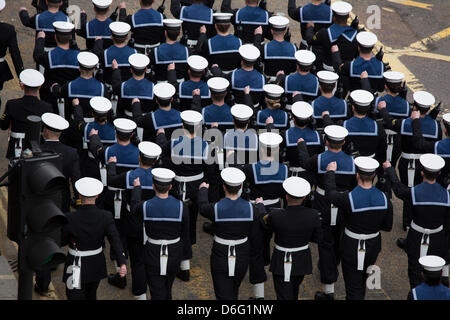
[166, 81]
[411, 166]
[128, 113]
[296, 170]
[371, 155]
[327, 67]
[268, 202]
[320, 191]
[390, 132]
[18, 135]
[425, 242]
[361, 250]
[145, 46]
[231, 252]
[163, 253]
[191, 42]
[87, 253]
[390, 143]
[117, 201]
[74, 282]
[228, 71]
[2, 59]
[333, 208]
[288, 259]
[272, 79]
[288, 107]
[61, 107]
[48, 49]
[18, 144]
[304, 42]
[184, 180]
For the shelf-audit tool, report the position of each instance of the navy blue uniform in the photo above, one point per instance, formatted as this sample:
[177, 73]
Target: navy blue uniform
[93, 29]
[220, 50]
[166, 54]
[307, 85]
[337, 108]
[279, 56]
[244, 145]
[353, 69]
[426, 292]
[107, 56]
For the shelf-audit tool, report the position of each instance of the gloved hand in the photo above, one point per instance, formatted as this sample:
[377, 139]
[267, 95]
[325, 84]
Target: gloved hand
[328, 2]
[380, 54]
[349, 149]
[435, 112]
[161, 9]
[263, 4]
[404, 91]
[340, 91]
[387, 67]
[355, 23]
[114, 15]
[287, 36]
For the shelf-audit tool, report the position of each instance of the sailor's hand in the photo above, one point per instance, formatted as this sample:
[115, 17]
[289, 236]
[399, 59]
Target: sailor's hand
[75, 102]
[204, 185]
[123, 270]
[112, 159]
[386, 165]
[92, 132]
[332, 166]
[136, 182]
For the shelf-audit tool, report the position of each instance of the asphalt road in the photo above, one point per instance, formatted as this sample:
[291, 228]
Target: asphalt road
[415, 39]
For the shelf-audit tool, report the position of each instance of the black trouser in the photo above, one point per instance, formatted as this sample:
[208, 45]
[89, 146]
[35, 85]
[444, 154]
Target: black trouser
[329, 256]
[160, 286]
[88, 291]
[43, 279]
[138, 276]
[355, 282]
[287, 290]
[226, 287]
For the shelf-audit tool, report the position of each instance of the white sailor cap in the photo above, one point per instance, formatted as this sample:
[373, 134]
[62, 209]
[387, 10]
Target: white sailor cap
[63, 26]
[191, 117]
[164, 91]
[2, 4]
[31, 78]
[446, 118]
[432, 263]
[423, 99]
[366, 164]
[87, 59]
[278, 22]
[218, 84]
[393, 76]
[232, 177]
[119, 28]
[149, 149]
[124, 125]
[100, 105]
[302, 110]
[273, 91]
[270, 139]
[327, 76]
[341, 8]
[89, 187]
[172, 23]
[197, 63]
[102, 4]
[335, 133]
[432, 162]
[222, 17]
[366, 39]
[163, 175]
[305, 57]
[362, 98]
[54, 122]
[249, 52]
[139, 61]
[297, 187]
[241, 112]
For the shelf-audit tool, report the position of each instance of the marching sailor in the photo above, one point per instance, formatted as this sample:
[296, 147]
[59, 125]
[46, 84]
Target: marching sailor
[279, 118]
[166, 233]
[149, 153]
[331, 217]
[431, 288]
[429, 215]
[85, 234]
[236, 237]
[367, 210]
[294, 227]
[17, 110]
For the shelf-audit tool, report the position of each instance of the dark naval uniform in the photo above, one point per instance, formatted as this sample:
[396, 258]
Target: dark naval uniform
[429, 222]
[85, 234]
[8, 40]
[353, 69]
[241, 78]
[278, 56]
[184, 90]
[220, 114]
[166, 54]
[237, 238]
[338, 109]
[244, 145]
[133, 222]
[426, 292]
[307, 85]
[15, 117]
[220, 50]
[331, 217]
[280, 118]
[294, 227]
[146, 27]
[166, 223]
[366, 212]
[95, 28]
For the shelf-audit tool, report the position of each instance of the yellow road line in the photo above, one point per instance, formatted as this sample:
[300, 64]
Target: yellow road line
[428, 55]
[7, 277]
[422, 44]
[426, 6]
[388, 9]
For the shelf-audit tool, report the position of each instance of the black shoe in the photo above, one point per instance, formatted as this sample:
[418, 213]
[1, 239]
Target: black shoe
[323, 296]
[183, 275]
[207, 227]
[401, 243]
[43, 293]
[116, 280]
[253, 298]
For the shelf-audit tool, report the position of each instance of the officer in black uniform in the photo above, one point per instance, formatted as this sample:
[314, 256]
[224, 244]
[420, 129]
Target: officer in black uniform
[331, 217]
[367, 211]
[339, 33]
[61, 64]
[85, 234]
[237, 239]
[294, 227]
[431, 288]
[223, 48]
[8, 40]
[17, 110]
[194, 16]
[429, 218]
[248, 18]
[146, 25]
[170, 52]
[166, 233]
[99, 26]
[149, 153]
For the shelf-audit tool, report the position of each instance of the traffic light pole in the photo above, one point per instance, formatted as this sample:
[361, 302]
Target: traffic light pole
[25, 288]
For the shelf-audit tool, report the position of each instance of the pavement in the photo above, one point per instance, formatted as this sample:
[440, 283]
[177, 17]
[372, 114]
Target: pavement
[415, 38]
